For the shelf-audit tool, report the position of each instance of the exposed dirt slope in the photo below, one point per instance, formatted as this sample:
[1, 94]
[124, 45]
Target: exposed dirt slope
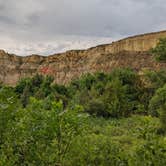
[130, 52]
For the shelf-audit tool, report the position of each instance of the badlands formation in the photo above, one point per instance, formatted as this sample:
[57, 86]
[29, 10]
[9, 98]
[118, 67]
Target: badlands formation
[131, 52]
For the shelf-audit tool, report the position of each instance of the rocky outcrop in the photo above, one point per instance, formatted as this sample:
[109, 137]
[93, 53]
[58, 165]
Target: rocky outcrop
[130, 52]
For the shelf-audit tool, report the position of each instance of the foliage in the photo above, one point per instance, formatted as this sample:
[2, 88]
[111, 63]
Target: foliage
[97, 108]
[160, 50]
[40, 136]
[39, 87]
[158, 101]
[163, 118]
[118, 142]
[9, 105]
[155, 79]
[151, 81]
[99, 119]
[115, 94]
[158, 106]
[152, 152]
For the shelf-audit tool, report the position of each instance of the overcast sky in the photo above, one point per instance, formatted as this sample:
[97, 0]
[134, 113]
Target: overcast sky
[50, 26]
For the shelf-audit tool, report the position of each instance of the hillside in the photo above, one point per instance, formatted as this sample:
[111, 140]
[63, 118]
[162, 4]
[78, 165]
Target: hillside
[130, 52]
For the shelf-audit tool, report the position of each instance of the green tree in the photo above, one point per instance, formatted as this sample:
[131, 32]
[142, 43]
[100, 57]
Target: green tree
[160, 50]
[37, 80]
[22, 84]
[9, 106]
[158, 101]
[25, 96]
[42, 136]
[46, 85]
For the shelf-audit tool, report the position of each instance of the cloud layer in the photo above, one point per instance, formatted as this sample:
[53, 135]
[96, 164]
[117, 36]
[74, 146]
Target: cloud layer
[49, 26]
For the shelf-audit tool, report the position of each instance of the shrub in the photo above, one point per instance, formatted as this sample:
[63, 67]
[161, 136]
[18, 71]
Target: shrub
[40, 136]
[163, 118]
[160, 50]
[97, 107]
[158, 101]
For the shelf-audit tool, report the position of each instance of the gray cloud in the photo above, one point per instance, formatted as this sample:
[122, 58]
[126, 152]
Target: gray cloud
[57, 21]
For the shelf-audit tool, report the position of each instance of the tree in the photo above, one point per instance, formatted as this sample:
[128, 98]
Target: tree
[37, 80]
[42, 136]
[46, 85]
[22, 84]
[9, 106]
[158, 107]
[158, 101]
[24, 98]
[160, 50]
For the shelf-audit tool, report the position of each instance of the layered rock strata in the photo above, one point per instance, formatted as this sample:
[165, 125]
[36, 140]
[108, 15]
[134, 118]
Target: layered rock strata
[131, 52]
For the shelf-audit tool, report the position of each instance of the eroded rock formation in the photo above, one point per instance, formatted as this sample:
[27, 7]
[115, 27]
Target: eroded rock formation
[130, 52]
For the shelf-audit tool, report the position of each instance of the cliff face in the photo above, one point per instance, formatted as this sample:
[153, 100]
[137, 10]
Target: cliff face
[130, 52]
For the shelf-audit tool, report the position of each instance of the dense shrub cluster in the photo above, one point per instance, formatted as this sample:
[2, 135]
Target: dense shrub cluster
[118, 94]
[100, 119]
[160, 50]
[36, 135]
[121, 93]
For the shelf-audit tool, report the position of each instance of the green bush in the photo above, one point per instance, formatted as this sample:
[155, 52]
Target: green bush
[115, 94]
[152, 152]
[97, 108]
[9, 105]
[160, 50]
[163, 118]
[39, 136]
[111, 127]
[158, 101]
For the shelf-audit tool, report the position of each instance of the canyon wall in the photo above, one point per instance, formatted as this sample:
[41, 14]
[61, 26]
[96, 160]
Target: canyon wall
[130, 52]
[137, 43]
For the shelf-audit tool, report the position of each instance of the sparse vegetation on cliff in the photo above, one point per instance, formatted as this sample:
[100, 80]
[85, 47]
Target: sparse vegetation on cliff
[100, 119]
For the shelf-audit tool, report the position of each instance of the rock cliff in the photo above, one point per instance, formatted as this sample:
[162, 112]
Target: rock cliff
[130, 52]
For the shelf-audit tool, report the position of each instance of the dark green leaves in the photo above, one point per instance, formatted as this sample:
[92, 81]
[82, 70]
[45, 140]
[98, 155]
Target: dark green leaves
[160, 50]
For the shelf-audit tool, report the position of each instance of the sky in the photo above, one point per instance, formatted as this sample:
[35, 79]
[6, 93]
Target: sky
[50, 26]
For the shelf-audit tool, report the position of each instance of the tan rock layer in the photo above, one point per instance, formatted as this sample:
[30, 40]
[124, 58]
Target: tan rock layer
[130, 52]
